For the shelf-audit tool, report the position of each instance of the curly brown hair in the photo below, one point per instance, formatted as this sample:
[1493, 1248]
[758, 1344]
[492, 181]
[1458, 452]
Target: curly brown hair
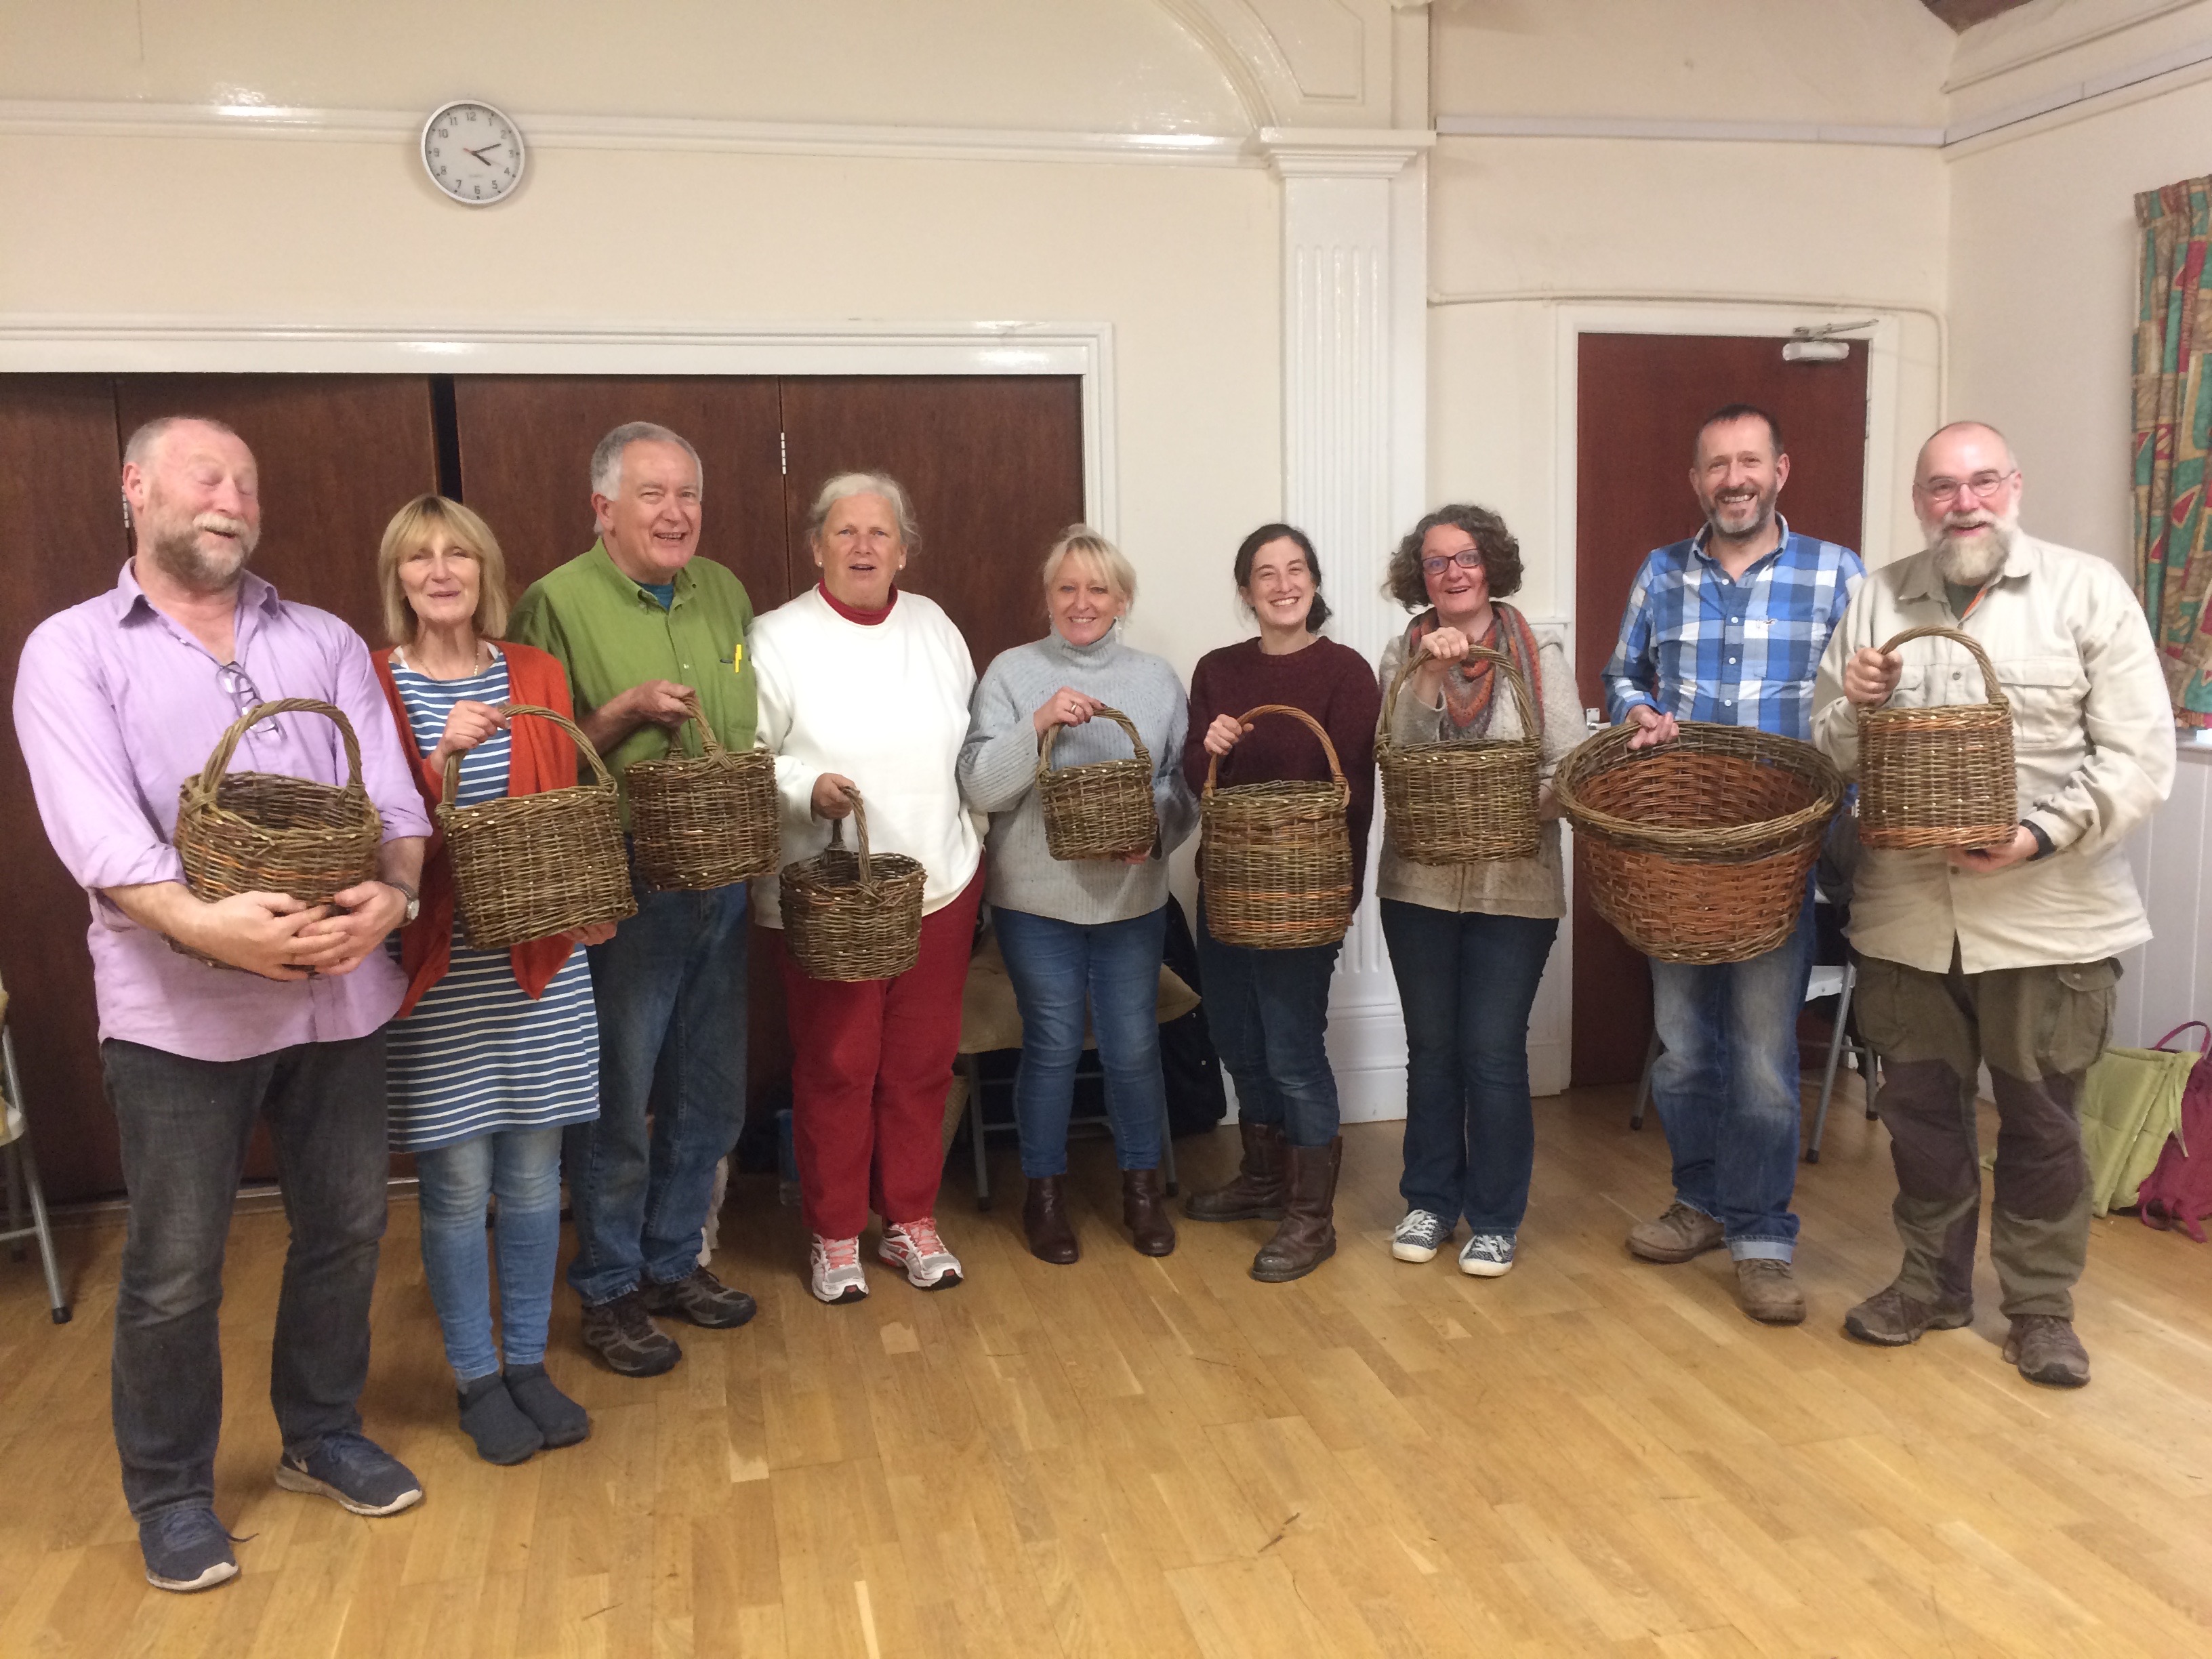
[1501, 554]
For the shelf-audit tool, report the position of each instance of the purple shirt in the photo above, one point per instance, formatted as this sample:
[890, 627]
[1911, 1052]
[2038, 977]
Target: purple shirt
[116, 705]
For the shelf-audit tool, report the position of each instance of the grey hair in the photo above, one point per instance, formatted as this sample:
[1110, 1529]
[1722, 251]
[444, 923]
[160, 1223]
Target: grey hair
[865, 484]
[2012, 461]
[607, 457]
[1080, 541]
[148, 438]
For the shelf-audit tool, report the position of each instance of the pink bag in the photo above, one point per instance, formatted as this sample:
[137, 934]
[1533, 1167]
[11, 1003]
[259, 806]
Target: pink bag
[2178, 1193]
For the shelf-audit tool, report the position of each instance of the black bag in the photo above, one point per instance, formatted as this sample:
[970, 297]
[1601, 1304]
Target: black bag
[1196, 1100]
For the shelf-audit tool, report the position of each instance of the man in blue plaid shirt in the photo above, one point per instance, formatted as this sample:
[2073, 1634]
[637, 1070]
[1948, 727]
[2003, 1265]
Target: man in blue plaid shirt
[1728, 627]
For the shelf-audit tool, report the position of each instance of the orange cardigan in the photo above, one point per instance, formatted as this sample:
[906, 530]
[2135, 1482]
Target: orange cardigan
[542, 756]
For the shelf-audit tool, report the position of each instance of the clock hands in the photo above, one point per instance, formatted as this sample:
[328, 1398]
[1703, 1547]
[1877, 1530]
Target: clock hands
[479, 154]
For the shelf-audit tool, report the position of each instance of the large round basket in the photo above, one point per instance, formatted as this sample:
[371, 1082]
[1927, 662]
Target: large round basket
[528, 866]
[1940, 776]
[1466, 801]
[704, 820]
[852, 915]
[1101, 809]
[262, 832]
[1698, 850]
[1275, 859]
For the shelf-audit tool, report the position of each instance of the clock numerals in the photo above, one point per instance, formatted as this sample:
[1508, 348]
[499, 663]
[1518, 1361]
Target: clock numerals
[473, 153]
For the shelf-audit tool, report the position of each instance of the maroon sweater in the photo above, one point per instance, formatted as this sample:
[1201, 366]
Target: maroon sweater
[1330, 682]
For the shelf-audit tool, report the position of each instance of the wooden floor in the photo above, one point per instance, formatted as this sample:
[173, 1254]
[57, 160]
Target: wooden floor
[1590, 1457]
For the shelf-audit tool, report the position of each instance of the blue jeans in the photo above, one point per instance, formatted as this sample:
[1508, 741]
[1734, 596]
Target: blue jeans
[523, 1166]
[183, 1125]
[1466, 982]
[1055, 967]
[1727, 1087]
[1268, 1012]
[671, 990]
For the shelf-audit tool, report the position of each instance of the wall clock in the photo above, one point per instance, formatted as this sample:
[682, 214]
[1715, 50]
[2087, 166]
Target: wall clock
[473, 152]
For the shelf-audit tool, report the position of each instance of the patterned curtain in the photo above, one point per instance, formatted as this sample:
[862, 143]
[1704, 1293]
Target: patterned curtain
[2173, 432]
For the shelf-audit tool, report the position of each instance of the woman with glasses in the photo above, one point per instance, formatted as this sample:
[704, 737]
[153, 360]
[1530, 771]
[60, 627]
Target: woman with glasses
[494, 1052]
[1468, 941]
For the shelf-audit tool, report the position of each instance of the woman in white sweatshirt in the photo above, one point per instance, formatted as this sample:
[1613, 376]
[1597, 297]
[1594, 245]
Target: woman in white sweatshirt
[865, 688]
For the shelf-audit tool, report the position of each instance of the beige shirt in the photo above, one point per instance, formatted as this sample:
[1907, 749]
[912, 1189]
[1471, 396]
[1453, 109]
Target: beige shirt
[1512, 887]
[2092, 741]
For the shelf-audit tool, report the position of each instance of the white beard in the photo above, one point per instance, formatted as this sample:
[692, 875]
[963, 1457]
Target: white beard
[1964, 563]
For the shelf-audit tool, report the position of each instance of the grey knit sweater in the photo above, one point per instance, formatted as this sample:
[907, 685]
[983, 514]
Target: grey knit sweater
[998, 775]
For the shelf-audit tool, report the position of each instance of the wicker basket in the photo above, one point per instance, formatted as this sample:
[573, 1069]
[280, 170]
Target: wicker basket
[1275, 859]
[528, 866]
[852, 916]
[1467, 801]
[1103, 809]
[249, 832]
[1698, 850]
[1942, 776]
[705, 820]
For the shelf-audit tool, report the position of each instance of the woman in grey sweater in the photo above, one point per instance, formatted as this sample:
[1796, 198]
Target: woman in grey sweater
[1080, 932]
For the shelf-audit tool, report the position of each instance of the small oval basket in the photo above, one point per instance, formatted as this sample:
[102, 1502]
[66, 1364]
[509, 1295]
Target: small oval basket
[1101, 809]
[704, 820]
[1275, 859]
[1698, 850]
[851, 916]
[1940, 776]
[262, 832]
[1464, 801]
[529, 866]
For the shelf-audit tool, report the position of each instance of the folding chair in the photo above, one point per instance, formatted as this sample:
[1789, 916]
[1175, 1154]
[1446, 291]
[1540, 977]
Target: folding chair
[23, 1173]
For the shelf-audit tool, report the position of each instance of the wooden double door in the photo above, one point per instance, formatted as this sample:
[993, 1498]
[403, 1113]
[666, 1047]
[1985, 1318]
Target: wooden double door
[995, 466]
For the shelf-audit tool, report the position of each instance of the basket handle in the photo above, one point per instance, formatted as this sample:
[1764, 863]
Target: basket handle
[1514, 677]
[1335, 771]
[1994, 691]
[710, 745]
[1044, 750]
[860, 833]
[511, 709]
[218, 761]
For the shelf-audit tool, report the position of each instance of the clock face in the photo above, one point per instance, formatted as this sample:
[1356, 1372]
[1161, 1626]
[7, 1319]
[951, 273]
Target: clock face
[473, 153]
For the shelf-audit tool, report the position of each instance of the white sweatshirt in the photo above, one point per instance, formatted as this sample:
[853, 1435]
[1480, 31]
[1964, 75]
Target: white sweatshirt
[886, 705]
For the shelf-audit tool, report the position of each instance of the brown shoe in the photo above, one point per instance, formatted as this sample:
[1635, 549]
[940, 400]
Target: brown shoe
[1044, 1221]
[1307, 1237]
[1256, 1194]
[1890, 1319]
[1152, 1229]
[1768, 1290]
[1677, 1236]
[2046, 1350]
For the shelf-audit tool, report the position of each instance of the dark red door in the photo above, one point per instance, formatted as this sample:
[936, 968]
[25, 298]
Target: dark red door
[1641, 398]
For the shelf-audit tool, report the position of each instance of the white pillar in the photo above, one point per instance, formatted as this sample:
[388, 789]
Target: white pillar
[1355, 405]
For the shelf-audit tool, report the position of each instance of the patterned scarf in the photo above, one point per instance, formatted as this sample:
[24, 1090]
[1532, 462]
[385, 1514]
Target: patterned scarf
[1468, 690]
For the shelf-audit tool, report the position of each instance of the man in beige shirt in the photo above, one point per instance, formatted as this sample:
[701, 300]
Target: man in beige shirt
[2000, 954]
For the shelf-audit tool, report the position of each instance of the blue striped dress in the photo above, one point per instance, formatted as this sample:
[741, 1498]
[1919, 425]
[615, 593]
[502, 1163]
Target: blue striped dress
[476, 1054]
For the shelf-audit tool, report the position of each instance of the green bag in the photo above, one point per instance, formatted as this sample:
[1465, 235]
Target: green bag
[2130, 1103]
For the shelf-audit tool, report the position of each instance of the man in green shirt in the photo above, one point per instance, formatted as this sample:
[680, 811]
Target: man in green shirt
[640, 624]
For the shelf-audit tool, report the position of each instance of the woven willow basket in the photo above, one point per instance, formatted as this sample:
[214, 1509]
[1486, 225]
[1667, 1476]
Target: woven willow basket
[1698, 850]
[1465, 801]
[705, 820]
[1101, 810]
[1275, 859]
[261, 832]
[852, 915]
[528, 866]
[1938, 777]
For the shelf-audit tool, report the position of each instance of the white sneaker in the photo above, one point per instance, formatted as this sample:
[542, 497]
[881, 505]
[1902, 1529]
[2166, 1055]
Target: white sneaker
[914, 1247]
[1420, 1236]
[833, 1270]
[1487, 1256]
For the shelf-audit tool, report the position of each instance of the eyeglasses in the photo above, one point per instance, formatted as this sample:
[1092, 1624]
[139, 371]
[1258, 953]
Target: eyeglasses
[1467, 559]
[238, 685]
[1982, 486]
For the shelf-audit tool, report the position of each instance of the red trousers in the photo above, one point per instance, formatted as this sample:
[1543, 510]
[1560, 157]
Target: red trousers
[872, 1063]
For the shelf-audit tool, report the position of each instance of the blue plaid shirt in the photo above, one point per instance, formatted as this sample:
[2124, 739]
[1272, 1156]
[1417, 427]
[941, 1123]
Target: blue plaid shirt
[1695, 645]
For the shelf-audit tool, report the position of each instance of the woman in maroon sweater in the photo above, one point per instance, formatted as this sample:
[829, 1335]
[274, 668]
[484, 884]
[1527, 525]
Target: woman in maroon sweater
[1269, 1010]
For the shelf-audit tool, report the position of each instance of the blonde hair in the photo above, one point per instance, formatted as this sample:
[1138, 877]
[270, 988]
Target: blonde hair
[1080, 541]
[410, 528]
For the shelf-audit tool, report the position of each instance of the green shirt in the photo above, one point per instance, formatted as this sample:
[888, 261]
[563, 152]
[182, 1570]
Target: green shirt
[611, 635]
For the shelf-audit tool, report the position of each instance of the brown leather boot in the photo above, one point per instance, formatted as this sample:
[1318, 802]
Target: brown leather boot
[1308, 1236]
[1044, 1221]
[1151, 1229]
[1256, 1194]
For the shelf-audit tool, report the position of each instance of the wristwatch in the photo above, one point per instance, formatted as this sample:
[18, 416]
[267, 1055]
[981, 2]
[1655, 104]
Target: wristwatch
[414, 901]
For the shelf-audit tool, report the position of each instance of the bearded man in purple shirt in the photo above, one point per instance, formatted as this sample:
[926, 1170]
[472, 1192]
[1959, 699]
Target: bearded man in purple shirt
[117, 700]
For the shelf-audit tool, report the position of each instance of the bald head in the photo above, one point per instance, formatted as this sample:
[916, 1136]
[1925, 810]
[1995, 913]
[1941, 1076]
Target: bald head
[1977, 441]
[1966, 492]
